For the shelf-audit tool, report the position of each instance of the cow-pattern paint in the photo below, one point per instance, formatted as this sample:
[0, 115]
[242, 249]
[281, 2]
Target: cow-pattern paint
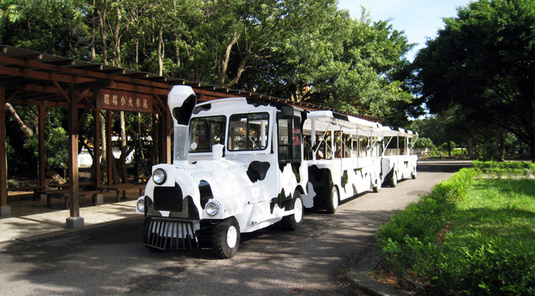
[351, 176]
[248, 185]
[253, 186]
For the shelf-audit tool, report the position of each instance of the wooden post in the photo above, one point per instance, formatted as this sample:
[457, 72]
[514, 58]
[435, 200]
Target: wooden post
[109, 151]
[167, 132]
[96, 149]
[42, 153]
[74, 220]
[156, 155]
[5, 210]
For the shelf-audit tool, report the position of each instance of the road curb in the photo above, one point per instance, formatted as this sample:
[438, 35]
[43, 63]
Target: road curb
[359, 276]
[67, 231]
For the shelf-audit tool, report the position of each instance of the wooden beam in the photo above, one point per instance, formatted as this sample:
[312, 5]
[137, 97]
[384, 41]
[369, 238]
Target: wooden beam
[33, 74]
[167, 130]
[30, 57]
[96, 149]
[79, 72]
[62, 62]
[74, 181]
[88, 106]
[42, 153]
[62, 91]
[100, 83]
[109, 152]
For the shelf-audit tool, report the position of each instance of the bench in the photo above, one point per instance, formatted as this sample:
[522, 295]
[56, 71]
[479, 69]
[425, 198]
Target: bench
[37, 190]
[124, 187]
[64, 193]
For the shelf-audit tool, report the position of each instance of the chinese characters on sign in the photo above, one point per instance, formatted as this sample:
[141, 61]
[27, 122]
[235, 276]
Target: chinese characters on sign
[124, 101]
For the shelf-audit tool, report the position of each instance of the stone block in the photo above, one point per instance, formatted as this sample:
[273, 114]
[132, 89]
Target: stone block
[75, 222]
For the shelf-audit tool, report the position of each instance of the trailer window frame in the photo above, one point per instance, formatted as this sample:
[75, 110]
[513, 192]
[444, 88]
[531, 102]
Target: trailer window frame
[290, 139]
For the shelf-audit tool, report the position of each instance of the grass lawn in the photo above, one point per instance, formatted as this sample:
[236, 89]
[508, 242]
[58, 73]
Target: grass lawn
[474, 235]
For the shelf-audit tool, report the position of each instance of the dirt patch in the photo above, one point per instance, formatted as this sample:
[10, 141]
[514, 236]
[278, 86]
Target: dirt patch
[384, 275]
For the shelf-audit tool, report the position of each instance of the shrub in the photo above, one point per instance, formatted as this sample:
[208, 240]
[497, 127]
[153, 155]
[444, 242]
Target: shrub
[470, 235]
[502, 169]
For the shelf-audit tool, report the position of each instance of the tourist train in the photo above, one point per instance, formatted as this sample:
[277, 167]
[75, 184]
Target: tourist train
[240, 165]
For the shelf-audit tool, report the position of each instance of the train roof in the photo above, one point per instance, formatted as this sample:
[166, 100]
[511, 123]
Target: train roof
[390, 131]
[331, 120]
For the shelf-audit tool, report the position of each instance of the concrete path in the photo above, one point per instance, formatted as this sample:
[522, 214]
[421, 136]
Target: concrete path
[53, 222]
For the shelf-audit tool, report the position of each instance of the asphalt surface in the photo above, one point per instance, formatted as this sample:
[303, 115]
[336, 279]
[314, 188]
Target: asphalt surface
[109, 258]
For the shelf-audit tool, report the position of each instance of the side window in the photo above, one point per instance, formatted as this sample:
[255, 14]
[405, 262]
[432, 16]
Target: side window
[296, 140]
[290, 139]
[284, 140]
[248, 132]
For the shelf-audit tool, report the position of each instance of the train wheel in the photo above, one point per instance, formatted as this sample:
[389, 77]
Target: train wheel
[414, 174]
[378, 187]
[334, 201]
[291, 222]
[226, 238]
[394, 180]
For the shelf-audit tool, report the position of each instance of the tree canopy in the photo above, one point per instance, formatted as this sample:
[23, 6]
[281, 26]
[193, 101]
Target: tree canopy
[295, 49]
[482, 66]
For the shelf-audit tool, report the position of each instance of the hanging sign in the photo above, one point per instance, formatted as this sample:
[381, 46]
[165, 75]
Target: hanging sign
[124, 101]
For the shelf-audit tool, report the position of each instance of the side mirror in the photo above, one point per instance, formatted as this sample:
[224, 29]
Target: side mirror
[287, 112]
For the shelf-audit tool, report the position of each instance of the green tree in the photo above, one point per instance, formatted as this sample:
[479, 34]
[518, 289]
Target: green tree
[484, 62]
[53, 26]
[424, 143]
[337, 62]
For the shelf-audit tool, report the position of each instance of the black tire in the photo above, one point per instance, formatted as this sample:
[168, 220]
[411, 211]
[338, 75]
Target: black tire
[414, 174]
[334, 201]
[394, 180]
[226, 238]
[378, 187]
[292, 221]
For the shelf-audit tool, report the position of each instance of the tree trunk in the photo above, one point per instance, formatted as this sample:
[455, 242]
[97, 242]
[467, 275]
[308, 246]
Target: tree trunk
[226, 60]
[117, 38]
[470, 148]
[28, 132]
[104, 144]
[93, 36]
[161, 53]
[102, 21]
[140, 142]
[55, 176]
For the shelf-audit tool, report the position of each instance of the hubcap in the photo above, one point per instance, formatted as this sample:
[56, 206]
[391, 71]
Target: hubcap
[335, 198]
[298, 210]
[232, 236]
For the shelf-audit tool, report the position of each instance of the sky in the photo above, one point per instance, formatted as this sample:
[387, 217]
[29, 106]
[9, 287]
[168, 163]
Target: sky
[420, 19]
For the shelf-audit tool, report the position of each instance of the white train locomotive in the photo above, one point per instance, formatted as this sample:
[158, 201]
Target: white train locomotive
[244, 164]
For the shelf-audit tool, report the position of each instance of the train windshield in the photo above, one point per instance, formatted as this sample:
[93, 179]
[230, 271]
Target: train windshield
[205, 132]
[248, 132]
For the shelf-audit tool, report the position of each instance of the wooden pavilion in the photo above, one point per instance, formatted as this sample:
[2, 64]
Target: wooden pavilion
[44, 81]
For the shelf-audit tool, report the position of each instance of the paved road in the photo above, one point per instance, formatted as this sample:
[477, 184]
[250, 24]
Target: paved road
[111, 260]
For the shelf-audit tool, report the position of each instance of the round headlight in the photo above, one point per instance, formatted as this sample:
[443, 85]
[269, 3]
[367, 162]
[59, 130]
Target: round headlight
[141, 204]
[159, 176]
[211, 208]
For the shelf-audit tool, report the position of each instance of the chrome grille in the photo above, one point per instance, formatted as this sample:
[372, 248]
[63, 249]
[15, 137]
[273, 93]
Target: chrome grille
[170, 234]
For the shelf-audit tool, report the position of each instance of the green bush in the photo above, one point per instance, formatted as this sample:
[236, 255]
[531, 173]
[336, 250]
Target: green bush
[470, 235]
[505, 169]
